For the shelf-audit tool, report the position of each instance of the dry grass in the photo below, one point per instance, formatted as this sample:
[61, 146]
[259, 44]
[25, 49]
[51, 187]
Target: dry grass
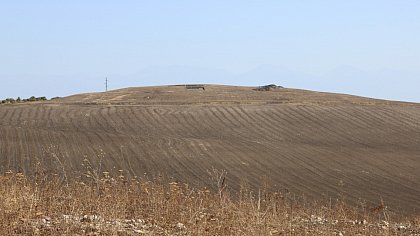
[101, 204]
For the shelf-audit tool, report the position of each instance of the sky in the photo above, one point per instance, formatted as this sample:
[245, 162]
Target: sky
[58, 48]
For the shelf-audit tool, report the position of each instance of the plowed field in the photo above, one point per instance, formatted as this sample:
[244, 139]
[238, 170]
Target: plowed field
[317, 144]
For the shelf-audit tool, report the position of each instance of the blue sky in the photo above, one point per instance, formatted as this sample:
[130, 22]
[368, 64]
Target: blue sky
[58, 48]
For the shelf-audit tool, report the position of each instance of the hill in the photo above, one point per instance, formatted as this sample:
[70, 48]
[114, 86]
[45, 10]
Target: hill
[318, 144]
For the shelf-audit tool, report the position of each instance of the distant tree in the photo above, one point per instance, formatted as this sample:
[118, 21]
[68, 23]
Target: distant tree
[18, 99]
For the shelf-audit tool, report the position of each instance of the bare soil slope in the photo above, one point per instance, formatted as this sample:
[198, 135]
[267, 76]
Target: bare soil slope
[318, 144]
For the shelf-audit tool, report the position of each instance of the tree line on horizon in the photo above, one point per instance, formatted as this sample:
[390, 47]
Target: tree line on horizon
[19, 100]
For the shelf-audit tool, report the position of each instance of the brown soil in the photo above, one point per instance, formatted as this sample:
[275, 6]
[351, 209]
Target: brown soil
[317, 144]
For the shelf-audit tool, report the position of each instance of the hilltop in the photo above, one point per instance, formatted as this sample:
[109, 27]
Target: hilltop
[321, 145]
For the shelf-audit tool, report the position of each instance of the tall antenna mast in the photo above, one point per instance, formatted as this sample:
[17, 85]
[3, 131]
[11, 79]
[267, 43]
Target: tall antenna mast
[106, 84]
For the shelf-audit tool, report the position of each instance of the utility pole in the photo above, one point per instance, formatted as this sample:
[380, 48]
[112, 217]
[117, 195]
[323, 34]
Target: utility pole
[106, 84]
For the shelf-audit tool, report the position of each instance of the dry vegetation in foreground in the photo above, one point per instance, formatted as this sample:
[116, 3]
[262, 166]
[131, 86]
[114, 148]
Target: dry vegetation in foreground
[115, 205]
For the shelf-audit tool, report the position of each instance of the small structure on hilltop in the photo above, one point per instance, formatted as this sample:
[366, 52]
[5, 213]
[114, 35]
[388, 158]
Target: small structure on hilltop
[268, 87]
[195, 86]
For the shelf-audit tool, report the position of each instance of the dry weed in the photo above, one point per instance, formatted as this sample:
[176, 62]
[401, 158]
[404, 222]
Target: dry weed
[102, 204]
